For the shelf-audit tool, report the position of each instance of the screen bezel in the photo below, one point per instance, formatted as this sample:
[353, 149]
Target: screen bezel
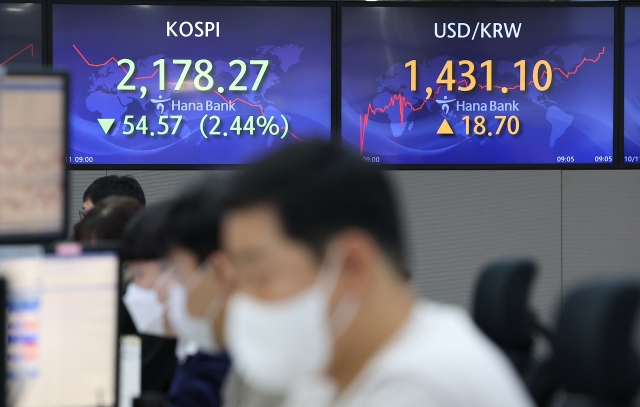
[621, 114]
[559, 166]
[43, 238]
[335, 135]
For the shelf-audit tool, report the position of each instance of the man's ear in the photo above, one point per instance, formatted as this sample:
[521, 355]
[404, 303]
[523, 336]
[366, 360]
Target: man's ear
[223, 273]
[360, 261]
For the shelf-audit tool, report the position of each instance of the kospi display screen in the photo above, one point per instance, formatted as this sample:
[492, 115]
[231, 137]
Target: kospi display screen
[632, 86]
[479, 85]
[193, 84]
[20, 34]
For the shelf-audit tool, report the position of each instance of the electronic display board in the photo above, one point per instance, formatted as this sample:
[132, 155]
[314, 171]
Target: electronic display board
[631, 153]
[193, 84]
[478, 84]
[20, 34]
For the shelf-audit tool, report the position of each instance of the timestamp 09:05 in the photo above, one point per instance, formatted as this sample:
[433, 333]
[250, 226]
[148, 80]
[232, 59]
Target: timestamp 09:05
[572, 159]
[603, 159]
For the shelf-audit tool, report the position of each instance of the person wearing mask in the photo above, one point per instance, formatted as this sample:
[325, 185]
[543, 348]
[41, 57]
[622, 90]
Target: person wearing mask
[324, 309]
[144, 249]
[111, 185]
[189, 301]
[196, 298]
[107, 219]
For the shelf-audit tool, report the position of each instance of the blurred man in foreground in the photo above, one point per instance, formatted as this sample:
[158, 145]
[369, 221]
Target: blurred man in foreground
[324, 309]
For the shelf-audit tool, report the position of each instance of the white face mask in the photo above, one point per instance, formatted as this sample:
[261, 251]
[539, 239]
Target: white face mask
[198, 330]
[145, 309]
[274, 344]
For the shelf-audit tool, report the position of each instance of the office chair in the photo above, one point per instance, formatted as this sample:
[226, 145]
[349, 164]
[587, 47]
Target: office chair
[595, 359]
[501, 307]
[502, 312]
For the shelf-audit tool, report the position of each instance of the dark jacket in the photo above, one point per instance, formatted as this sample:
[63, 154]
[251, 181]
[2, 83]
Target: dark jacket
[198, 382]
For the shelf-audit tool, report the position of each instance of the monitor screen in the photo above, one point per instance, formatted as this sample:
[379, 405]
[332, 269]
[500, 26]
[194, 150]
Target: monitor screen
[485, 85]
[20, 34]
[62, 330]
[197, 85]
[632, 86]
[33, 120]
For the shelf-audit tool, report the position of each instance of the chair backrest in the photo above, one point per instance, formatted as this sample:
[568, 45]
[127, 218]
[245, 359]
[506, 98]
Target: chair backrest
[501, 309]
[593, 342]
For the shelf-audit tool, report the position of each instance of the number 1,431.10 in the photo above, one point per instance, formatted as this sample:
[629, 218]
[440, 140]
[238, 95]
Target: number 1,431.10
[542, 76]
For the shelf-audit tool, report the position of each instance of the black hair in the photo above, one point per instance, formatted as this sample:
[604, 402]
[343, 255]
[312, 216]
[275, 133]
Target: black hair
[193, 219]
[318, 190]
[106, 220]
[110, 185]
[144, 235]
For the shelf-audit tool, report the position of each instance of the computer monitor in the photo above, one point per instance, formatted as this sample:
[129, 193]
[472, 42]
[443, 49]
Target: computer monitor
[62, 334]
[3, 344]
[33, 134]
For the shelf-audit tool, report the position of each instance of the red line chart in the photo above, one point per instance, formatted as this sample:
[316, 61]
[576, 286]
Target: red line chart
[30, 46]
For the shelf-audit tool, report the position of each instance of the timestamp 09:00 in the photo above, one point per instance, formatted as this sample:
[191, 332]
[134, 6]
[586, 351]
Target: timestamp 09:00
[80, 160]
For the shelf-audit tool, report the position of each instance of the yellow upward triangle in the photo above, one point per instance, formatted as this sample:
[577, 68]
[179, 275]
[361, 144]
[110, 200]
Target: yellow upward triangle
[445, 128]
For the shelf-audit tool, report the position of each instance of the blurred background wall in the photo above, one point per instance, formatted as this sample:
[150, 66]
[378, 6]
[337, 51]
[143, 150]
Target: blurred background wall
[576, 224]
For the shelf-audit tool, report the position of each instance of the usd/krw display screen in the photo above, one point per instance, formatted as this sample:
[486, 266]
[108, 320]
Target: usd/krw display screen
[20, 34]
[193, 84]
[478, 85]
[632, 86]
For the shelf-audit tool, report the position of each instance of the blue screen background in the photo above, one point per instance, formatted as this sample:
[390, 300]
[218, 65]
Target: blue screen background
[295, 40]
[574, 118]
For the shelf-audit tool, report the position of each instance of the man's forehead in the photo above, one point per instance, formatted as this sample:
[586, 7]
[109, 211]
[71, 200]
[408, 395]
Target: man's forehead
[252, 223]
